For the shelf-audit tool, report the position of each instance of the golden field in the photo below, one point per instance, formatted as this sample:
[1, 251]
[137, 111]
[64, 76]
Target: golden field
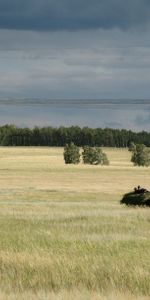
[64, 234]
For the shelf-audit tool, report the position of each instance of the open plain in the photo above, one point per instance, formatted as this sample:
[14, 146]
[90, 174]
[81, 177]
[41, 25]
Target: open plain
[64, 234]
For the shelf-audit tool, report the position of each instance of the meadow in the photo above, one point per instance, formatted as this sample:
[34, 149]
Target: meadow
[64, 234]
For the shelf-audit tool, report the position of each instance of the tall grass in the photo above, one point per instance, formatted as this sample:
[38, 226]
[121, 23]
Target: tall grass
[63, 232]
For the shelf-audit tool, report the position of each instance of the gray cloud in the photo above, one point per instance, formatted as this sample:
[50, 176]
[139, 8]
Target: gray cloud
[76, 73]
[31, 116]
[69, 15]
[142, 119]
[99, 63]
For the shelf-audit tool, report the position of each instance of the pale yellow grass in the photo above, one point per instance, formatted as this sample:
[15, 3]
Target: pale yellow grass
[44, 168]
[64, 234]
[70, 295]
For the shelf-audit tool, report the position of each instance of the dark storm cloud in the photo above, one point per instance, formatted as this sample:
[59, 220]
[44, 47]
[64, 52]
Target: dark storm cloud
[55, 15]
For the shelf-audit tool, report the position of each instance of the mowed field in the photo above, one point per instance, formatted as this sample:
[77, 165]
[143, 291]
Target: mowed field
[64, 234]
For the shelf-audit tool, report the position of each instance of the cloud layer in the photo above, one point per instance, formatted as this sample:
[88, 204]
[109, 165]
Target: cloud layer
[66, 49]
[106, 73]
[52, 15]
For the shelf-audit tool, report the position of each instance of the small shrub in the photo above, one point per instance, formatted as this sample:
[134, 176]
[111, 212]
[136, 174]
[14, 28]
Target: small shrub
[71, 154]
[94, 156]
[140, 155]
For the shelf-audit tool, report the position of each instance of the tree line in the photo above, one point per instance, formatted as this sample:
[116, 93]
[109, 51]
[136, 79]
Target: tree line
[11, 135]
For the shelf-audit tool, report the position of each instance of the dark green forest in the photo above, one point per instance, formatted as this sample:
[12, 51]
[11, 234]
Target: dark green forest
[10, 135]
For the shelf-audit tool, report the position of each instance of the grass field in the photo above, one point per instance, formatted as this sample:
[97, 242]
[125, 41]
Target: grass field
[64, 234]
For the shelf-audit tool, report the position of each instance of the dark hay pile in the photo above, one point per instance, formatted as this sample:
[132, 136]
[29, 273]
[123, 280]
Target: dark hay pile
[137, 198]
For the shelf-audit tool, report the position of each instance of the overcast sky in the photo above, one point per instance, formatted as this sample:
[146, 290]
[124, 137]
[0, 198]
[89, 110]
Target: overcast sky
[75, 49]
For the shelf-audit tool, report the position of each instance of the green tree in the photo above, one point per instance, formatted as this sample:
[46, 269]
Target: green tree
[140, 155]
[94, 156]
[71, 154]
[105, 160]
[132, 147]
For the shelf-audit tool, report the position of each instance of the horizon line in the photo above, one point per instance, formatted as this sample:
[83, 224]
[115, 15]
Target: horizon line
[75, 102]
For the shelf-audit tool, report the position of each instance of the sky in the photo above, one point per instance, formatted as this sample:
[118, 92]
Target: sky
[67, 49]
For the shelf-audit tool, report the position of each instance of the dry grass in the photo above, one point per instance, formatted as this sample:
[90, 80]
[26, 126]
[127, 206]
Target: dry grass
[70, 295]
[64, 234]
[37, 168]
